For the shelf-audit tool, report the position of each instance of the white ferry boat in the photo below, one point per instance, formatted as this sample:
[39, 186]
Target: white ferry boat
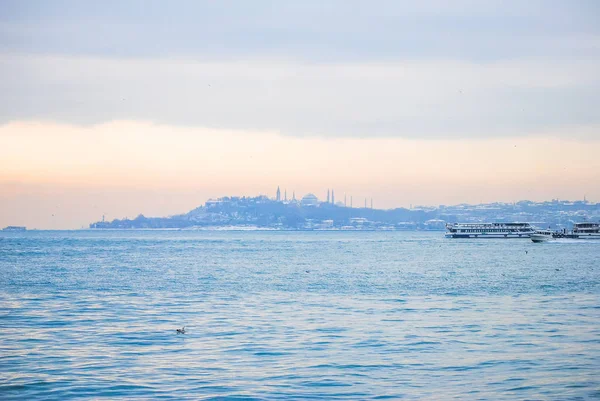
[585, 231]
[489, 230]
[543, 236]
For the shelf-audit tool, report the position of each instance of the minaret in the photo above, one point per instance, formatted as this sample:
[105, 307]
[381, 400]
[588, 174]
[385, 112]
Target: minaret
[278, 197]
[365, 203]
[332, 197]
[285, 195]
[294, 196]
[345, 204]
[327, 195]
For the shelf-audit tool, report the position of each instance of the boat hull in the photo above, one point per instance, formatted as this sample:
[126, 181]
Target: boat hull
[541, 238]
[498, 236]
[582, 236]
[592, 236]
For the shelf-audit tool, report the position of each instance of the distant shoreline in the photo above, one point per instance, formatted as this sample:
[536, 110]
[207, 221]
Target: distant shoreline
[218, 230]
[264, 214]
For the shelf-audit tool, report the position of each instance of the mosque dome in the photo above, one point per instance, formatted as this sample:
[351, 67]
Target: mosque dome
[309, 200]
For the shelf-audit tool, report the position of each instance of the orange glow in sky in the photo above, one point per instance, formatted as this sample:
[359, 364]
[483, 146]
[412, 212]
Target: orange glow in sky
[123, 168]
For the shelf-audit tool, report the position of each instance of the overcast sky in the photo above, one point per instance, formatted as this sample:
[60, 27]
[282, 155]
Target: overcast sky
[374, 74]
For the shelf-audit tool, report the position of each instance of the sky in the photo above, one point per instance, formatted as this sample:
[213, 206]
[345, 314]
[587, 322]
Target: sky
[120, 108]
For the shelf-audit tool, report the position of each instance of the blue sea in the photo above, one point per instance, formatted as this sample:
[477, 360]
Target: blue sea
[296, 315]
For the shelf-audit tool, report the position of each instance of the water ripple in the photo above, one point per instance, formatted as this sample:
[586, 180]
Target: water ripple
[272, 316]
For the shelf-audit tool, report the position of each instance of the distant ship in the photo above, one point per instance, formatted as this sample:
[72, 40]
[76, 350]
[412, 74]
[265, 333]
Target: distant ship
[580, 231]
[489, 230]
[585, 231]
[14, 228]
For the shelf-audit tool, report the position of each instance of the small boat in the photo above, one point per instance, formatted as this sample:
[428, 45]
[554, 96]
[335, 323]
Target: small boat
[543, 236]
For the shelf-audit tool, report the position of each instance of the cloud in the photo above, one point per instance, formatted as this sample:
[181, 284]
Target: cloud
[310, 30]
[420, 99]
[334, 69]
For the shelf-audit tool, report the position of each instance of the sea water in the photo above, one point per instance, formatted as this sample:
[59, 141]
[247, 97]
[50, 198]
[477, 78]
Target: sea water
[296, 315]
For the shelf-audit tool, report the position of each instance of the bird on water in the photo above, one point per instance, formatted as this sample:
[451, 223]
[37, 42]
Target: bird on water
[181, 330]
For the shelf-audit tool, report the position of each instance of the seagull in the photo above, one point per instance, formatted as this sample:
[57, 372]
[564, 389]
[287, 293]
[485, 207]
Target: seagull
[526, 252]
[181, 330]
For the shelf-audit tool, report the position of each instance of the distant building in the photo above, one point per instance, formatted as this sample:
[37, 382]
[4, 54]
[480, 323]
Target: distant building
[278, 196]
[211, 203]
[309, 200]
[326, 224]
